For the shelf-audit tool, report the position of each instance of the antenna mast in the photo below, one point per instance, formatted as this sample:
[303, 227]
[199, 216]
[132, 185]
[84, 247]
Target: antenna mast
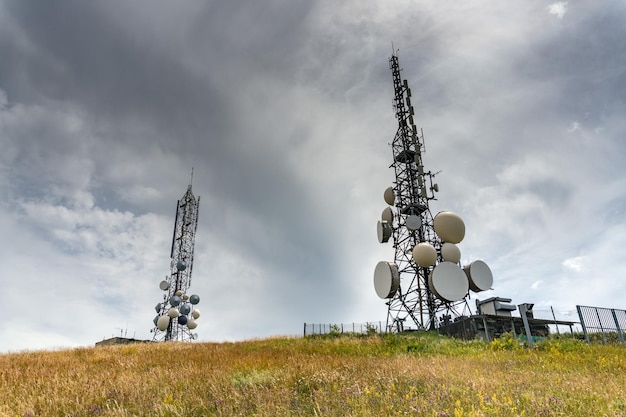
[425, 278]
[177, 315]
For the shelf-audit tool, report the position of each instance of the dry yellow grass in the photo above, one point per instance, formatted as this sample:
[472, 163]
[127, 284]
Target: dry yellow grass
[345, 376]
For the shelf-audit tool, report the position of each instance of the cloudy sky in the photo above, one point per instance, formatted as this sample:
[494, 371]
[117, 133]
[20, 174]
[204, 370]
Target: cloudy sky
[283, 109]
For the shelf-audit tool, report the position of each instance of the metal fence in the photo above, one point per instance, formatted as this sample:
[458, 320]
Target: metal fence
[357, 328]
[609, 323]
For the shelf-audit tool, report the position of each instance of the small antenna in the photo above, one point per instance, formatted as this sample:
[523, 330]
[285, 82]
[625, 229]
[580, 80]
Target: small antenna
[191, 180]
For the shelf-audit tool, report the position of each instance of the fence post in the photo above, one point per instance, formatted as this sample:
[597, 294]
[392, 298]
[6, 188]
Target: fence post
[619, 330]
[486, 330]
[601, 327]
[554, 317]
[582, 323]
[304, 329]
[523, 309]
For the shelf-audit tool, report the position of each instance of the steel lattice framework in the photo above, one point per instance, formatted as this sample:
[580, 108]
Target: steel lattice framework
[413, 190]
[181, 266]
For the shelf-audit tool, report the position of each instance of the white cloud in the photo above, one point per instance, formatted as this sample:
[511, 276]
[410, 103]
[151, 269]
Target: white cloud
[574, 127]
[576, 264]
[558, 9]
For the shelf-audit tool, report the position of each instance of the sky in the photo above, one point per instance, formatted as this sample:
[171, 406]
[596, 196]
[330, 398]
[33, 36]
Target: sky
[284, 111]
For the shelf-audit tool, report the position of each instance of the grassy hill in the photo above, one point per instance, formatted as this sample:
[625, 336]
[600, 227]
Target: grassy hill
[394, 375]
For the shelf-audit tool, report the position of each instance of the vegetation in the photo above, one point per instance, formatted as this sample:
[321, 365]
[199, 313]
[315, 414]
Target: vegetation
[421, 374]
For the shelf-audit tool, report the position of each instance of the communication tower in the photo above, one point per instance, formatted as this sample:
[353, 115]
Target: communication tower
[177, 313]
[425, 278]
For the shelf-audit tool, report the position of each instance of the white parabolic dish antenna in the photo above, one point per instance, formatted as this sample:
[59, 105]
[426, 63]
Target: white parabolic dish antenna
[387, 215]
[163, 322]
[451, 253]
[479, 275]
[383, 231]
[449, 226]
[386, 279]
[424, 254]
[413, 222]
[448, 282]
[389, 197]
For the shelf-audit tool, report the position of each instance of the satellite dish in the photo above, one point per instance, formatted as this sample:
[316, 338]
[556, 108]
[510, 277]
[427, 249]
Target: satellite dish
[479, 275]
[185, 297]
[387, 215]
[195, 314]
[389, 196]
[424, 254]
[173, 313]
[179, 293]
[448, 282]
[185, 309]
[413, 222]
[180, 265]
[182, 320]
[164, 285]
[194, 299]
[451, 253]
[386, 279]
[175, 300]
[191, 324]
[449, 226]
[158, 307]
[383, 231]
[163, 322]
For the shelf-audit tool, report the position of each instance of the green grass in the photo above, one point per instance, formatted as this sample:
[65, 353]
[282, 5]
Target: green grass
[394, 375]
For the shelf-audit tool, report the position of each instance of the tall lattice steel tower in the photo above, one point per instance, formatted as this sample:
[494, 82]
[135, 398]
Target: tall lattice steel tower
[425, 277]
[177, 313]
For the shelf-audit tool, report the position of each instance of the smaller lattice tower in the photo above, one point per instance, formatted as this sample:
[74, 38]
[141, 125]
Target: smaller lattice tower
[177, 313]
[425, 279]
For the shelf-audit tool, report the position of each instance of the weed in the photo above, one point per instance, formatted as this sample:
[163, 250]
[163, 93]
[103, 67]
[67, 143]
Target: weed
[421, 373]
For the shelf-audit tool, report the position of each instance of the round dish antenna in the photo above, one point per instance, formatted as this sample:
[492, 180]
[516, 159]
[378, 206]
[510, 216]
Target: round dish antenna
[387, 215]
[163, 322]
[389, 196]
[384, 231]
[479, 275]
[451, 253]
[449, 227]
[413, 222]
[185, 309]
[448, 282]
[386, 279]
[424, 254]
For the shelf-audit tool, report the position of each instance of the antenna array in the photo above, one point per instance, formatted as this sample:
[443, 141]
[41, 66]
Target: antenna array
[425, 277]
[177, 313]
